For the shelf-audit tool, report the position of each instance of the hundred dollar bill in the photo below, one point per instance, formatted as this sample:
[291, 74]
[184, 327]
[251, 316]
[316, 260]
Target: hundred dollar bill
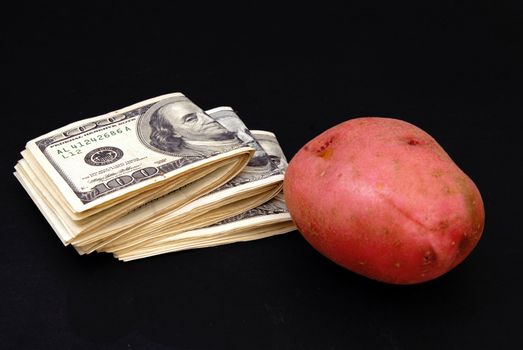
[97, 160]
[95, 171]
[260, 180]
[268, 219]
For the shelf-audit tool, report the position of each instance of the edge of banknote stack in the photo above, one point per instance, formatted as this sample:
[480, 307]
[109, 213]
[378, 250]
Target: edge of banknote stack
[159, 176]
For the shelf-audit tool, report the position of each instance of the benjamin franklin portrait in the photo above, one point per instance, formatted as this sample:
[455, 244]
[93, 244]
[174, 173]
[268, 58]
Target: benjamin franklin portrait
[178, 127]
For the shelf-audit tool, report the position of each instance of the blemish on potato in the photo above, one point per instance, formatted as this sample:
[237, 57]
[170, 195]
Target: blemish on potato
[429, 257]
[469, 198]
[414, 141]
[447, 190]
[325, 144]
[437, 173]
[461, 181]
[464, 244]
[322, 173]
[443, 224]
[325, 154]
[311, 229]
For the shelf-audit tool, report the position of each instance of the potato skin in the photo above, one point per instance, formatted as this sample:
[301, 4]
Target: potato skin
[382, 198]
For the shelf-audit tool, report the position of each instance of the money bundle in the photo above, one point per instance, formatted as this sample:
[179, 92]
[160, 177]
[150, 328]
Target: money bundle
[159, 176]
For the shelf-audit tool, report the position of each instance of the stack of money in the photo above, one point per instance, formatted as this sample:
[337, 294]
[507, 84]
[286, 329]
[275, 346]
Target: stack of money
[159, 176]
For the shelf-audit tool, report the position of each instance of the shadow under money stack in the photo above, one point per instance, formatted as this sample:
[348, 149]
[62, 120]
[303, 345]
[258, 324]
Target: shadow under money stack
[159, 176]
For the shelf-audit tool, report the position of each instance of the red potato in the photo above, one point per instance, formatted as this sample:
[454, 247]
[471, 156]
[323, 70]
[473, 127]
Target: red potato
[382, 198]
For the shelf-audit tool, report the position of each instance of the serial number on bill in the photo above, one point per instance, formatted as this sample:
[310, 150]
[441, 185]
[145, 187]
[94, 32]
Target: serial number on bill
[74, 149]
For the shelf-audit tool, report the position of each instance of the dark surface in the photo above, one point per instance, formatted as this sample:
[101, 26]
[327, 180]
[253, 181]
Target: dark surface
[455, 71]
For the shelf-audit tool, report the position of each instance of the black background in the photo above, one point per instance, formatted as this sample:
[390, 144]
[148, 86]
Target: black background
[453, 69]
